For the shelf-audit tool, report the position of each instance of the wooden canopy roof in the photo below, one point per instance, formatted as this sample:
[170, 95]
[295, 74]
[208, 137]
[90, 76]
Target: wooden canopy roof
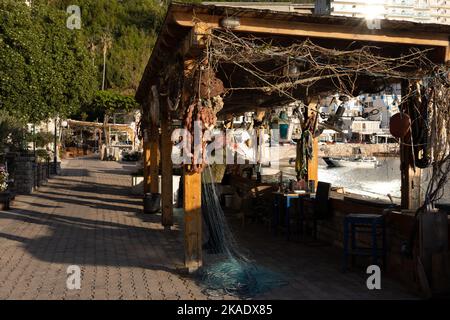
[333, 31]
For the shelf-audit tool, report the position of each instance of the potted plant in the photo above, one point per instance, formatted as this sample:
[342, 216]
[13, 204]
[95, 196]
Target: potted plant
[5, 195]
[42, 160]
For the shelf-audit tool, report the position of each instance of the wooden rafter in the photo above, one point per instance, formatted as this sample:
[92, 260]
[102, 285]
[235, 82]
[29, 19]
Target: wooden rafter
[289, 28]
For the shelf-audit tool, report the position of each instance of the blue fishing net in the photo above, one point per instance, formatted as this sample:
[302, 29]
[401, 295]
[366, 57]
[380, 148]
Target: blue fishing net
[239, 278]
[229, 271]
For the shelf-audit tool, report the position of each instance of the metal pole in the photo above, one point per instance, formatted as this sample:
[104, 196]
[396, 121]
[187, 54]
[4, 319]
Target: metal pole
[55, 157]
[34, 139]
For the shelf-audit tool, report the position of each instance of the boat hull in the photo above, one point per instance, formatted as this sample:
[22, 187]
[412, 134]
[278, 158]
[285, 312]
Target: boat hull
[343, 162]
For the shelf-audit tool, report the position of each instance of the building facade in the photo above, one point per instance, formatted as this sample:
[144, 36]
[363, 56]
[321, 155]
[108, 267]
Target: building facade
[424, 11]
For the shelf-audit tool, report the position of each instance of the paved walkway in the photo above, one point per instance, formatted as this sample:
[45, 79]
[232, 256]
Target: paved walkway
[85, 217]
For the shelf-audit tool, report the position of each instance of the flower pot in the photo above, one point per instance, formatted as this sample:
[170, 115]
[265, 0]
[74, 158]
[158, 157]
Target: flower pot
[152, 202]
[5, 199]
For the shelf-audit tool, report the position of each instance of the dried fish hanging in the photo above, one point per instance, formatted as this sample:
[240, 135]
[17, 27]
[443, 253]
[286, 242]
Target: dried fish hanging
[207, 102]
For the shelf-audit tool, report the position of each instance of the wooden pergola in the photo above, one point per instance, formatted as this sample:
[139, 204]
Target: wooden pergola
[99, 127]
[165, 94]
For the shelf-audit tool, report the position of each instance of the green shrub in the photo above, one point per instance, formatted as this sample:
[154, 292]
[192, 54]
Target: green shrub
[42, 155]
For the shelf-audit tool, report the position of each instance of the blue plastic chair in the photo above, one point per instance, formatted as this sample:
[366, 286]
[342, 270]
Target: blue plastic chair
[364, 223]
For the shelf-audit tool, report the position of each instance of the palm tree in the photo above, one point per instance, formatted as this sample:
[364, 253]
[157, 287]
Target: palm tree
[106, 42]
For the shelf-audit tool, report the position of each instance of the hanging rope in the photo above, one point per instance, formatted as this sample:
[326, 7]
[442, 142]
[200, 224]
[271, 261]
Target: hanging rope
[304, 153]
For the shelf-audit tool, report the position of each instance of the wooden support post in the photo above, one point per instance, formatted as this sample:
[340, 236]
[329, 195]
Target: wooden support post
[410, 176]
[313, 163]
[192, 193]
[100, 143]
[133, 140]
[153, 137]
[192, 203]
[147, 178]
[166, 168]
[154, 164]
[146, 146]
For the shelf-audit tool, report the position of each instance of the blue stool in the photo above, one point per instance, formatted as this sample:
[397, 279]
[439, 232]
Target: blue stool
[364, 223]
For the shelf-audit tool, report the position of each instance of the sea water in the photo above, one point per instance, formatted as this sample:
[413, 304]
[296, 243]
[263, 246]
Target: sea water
[375, 182]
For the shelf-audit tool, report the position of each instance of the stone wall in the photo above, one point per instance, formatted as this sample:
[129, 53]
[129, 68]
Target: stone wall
[368, 150]
[29, 175]
[24, 174]
[288, 151]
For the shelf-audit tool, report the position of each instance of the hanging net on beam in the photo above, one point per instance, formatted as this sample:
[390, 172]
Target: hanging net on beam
[228, 270]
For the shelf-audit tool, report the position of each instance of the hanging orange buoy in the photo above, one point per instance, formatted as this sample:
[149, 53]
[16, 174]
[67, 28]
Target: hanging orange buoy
[399, 125]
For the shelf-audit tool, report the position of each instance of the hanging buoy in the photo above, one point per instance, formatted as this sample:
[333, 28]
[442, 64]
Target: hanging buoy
[399, 125]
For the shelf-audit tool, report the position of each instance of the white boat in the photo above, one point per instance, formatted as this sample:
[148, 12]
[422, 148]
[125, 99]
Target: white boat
[355, 162]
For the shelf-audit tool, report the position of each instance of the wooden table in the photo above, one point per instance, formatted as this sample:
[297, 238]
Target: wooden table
[286, 198]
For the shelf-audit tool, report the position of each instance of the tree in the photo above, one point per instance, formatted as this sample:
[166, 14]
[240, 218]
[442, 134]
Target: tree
[107, 103]
[132, 26]
[44, 67]
[73, 82]
[22, 61]
[13, 134]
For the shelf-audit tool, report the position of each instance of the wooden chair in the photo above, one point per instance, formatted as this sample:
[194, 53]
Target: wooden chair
[256, 197]
[259, 199]
[321, 206]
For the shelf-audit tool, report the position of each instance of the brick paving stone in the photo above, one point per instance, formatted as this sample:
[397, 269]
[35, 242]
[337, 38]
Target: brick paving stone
[86, 217]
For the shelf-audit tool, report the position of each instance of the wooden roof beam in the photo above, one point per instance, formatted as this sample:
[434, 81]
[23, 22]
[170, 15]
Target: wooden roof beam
[195, 41]
[447, 52]
[293, 28]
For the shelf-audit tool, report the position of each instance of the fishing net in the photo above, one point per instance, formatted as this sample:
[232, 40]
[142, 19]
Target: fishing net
[228, 270]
